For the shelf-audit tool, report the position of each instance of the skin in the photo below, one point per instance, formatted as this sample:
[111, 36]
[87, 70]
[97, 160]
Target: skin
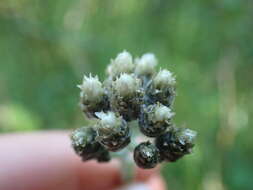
[46, 161]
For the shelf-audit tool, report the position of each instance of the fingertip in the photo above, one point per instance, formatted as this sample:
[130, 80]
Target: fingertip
[50, 162]
[145, 174]
[99, 175]
[156, 182]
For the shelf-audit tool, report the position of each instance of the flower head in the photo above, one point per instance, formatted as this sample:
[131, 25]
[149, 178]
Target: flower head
[163, 113]
[146, 64]
[164, 79]
[108, 120]
[91, 89]
[146, 155]
[85, 145]
[155, 119]
[113, 132]
[123, 63]
[126, 84]
[176, 143]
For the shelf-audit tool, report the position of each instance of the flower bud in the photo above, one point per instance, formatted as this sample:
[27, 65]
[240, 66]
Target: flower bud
[155, 119]
[175, 144]
[126, 85]
[162, 88]
[113, 132]
[93, 96]
[164, 79]
[85, 145]
[146, 64]
[123, 63]
[162, 113]
[91, 89]
[146, 155]
[126, 96]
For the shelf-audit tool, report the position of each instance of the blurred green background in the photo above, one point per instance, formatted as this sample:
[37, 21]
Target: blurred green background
[46, 46]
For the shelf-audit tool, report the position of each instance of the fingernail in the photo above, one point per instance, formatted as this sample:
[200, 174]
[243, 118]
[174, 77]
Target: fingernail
[136, 186]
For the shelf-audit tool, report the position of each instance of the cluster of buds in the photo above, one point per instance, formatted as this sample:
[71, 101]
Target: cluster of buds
[133, 93]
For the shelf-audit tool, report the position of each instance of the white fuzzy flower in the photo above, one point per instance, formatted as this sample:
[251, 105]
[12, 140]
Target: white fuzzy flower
[123, 63]
[126, 84]
[91, 89]
[146, 64]
[107, 119]
[108, 123]
[163, 113]
[163, 79]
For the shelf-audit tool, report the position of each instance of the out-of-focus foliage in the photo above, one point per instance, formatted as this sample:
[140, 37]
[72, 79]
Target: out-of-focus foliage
[46, 46]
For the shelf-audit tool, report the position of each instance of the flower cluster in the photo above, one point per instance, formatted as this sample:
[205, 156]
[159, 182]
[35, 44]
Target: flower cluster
[133, 92]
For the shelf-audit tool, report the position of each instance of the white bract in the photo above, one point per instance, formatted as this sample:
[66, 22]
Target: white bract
[123, 63]
[126, 84]
[91, 89]
[163, 113]
[146, 64]
[187, 136]
[108, 123]
[164, 79]
[107, 119]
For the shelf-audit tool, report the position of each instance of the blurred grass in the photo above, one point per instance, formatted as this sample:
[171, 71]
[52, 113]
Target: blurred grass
[46, 46]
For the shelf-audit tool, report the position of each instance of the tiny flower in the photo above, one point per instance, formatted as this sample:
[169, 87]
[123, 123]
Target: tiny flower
[176, 143]
[126, 96]
[146, 64]
[126, 85]
[93, 96]
[113, 132]
[164, 79]
[108, 121]
[86, 146]
[162, 88]
[91, 89]
[123, 63]
[155, 119]
[146, 155]
[186, 136]
[162, 113]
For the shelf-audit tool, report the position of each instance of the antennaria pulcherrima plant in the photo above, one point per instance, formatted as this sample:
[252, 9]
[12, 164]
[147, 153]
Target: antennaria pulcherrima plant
[133, 112]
